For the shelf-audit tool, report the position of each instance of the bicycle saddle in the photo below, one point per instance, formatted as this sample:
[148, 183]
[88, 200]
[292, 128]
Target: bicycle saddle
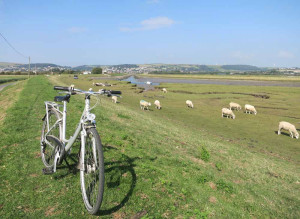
[62, 98]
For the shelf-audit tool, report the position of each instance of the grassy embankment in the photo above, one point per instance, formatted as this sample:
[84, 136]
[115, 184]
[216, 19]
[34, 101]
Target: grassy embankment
[168, 163]
[227, 77]
[11, 78]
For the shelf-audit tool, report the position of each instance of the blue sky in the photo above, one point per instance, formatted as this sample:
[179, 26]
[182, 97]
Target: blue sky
[71, 32]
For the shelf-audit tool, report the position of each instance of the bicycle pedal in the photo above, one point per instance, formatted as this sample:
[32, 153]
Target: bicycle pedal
[48, 171]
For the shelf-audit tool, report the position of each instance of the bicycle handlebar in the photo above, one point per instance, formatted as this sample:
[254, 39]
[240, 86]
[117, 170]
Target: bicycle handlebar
[61, 88]
[74, 91]
[115, 92]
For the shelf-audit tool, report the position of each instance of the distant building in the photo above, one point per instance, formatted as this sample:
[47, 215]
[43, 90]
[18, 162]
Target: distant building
[87, 72]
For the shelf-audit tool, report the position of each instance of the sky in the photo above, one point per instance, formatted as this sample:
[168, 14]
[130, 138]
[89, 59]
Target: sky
[98, 32]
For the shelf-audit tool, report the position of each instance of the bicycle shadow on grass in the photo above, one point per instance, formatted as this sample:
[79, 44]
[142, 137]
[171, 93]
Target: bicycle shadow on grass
[120, 178]
[72, 168]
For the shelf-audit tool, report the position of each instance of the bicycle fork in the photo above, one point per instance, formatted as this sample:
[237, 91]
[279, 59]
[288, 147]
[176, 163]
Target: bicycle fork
[82, 151]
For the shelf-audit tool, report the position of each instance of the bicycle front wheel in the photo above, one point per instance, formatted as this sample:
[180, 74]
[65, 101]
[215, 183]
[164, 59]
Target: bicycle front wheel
[92, 171]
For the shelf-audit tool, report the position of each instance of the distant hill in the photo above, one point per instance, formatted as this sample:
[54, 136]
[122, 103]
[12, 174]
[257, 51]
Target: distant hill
[43, 65]
[85, 67]
[39, 65]
[240, 67]
[7, 64]
[157, 67]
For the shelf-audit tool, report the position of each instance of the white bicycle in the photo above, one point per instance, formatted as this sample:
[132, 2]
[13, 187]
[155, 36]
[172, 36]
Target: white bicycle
[55, 147]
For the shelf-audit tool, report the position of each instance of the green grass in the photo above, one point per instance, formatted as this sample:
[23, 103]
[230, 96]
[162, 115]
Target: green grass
[228, 77]
[155, 161]
[6, 79]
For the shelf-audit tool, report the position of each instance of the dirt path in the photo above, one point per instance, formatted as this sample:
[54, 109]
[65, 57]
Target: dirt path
[2, 86]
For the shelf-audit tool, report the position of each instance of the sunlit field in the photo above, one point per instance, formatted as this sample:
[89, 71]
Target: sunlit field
[170, 163]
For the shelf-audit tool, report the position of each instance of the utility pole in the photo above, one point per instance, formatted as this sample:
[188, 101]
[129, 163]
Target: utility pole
[29, 67]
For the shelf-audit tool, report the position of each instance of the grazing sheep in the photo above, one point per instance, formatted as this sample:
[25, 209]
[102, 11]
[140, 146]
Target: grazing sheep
[114, 99]
[144, 104]
[164, 90]
[250, 109]
[98, 84]
[288, 127]
[228, 113]
[234, 106]
[157, 104]
[189, 104]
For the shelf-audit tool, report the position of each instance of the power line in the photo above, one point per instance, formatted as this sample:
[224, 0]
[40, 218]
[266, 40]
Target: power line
[13, 47]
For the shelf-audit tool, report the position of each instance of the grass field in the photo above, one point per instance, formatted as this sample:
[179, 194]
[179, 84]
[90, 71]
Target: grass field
[228, 77]
[11, 78]
[173, 163]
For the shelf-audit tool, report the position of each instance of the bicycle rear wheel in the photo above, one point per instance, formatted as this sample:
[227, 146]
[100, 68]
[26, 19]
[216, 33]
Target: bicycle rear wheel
[46, 150]
[92, 172]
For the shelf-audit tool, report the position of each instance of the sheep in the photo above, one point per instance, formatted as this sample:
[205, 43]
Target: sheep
[164, 90]
[144, 104]
[250, 109]
[114, 99]
[189, 104]
[98, 84]
[234, 106]
[288, 127]
[157, 104]
[228, 112]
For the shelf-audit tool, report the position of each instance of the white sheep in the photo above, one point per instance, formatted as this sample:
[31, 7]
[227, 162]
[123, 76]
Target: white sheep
[250, 109]
[233, 105]
[164, 90]
[288, 127]
[98, 84]
[157, 104]
[114, 99]
[189, 103]
[228, 113]
[144, 104]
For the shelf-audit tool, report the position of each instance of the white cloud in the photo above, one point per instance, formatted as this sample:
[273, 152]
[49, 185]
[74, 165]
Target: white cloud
[77, 29]
[285, 54]
[151, 24]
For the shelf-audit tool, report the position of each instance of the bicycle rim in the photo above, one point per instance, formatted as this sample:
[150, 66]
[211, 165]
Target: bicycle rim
[92, 172]
[47, 151]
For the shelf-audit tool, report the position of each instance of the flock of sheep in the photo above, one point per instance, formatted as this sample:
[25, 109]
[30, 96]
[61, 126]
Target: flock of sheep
[251, 110]
[227, 112]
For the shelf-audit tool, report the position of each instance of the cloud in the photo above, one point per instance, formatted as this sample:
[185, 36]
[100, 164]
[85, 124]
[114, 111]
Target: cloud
[151, 24]
[77, 29]
[285, 54]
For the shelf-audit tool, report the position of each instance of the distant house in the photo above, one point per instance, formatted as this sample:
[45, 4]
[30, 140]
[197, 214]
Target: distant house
[87, 72]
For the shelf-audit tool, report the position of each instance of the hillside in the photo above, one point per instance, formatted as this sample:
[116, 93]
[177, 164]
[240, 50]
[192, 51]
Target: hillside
[151, 67]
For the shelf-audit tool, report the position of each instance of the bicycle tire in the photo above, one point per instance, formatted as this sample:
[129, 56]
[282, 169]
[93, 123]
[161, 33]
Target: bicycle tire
[46, 150]
[92, 173]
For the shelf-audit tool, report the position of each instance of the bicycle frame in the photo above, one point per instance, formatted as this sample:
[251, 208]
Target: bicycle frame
[87, 120]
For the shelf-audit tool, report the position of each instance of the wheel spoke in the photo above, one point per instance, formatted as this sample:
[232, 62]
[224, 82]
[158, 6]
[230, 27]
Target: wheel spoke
[92, 177]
